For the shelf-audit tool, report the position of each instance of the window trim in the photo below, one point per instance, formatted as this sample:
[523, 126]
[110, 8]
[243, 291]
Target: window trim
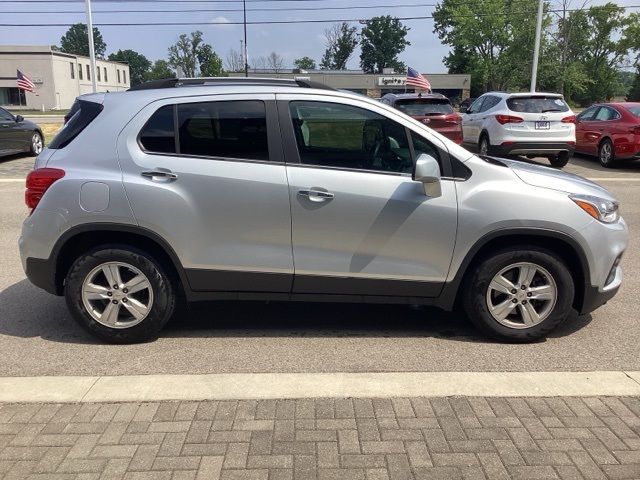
[270, 117]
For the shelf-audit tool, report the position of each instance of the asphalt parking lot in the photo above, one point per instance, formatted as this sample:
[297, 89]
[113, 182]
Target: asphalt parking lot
[38, 337]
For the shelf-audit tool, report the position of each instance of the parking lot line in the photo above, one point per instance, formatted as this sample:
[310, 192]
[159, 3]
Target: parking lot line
[12, 180]
[614, 179]
[146, 388]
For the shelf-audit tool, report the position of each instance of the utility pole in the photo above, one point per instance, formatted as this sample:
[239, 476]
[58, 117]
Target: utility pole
[92, 52]
[246, 59]
[536, 48]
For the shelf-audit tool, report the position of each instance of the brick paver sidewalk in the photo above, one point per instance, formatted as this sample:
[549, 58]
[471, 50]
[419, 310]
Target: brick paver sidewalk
[325, 439]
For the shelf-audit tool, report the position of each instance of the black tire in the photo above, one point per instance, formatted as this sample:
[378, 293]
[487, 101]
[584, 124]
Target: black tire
[33, 149]
[559, 160]
[606, 153]
[162, 306]
[476, 286]
[482, 143]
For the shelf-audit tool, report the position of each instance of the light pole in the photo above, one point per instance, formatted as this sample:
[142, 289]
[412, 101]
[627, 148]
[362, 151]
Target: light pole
[536, 48]
[246, 59]
[92, 53]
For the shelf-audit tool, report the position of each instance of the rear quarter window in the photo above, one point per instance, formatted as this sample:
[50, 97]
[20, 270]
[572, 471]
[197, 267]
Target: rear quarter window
[85, 113]
[537, 104]
[634, 109]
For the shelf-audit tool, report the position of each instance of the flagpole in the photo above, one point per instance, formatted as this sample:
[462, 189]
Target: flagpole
[92, 53]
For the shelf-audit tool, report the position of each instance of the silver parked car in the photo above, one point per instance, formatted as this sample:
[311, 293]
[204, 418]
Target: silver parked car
[209, 189]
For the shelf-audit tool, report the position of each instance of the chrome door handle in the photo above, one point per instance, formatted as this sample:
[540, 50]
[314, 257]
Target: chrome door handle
[160, 174]
[316, 195]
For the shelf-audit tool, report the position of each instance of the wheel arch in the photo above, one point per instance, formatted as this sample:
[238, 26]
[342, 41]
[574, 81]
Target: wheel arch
[84, 238]
[557, 242]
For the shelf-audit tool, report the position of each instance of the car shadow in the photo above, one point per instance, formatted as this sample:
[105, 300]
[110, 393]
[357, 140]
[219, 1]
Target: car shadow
[28, 312]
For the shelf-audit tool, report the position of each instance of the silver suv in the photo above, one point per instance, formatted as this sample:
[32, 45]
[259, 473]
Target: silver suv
[214, 189]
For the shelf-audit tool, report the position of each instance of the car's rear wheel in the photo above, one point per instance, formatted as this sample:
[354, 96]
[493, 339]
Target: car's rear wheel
[119, 294]
[559, 160]
[484, 145]
[36, 144]
[519, 294]
[606, 154]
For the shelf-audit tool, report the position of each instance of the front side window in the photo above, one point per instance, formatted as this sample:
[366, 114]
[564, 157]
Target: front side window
[4, 115]
[227, 129]
[476, 106]
[158, 134]
[343, 136]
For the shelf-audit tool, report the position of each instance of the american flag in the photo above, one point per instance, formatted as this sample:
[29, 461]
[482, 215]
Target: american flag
[415, 79]
[25, 82]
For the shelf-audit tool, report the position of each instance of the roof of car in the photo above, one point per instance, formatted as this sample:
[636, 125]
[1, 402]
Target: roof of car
[524, 94]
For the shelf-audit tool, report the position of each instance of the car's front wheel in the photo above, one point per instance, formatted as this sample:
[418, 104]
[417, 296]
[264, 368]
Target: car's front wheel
[606, 155]
[519, 294]
[36, 144]
[121, 295]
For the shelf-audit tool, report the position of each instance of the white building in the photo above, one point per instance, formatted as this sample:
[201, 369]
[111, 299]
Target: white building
[59, 77]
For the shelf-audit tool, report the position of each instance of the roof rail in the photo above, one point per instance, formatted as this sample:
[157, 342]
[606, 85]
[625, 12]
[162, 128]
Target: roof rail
[221, 81]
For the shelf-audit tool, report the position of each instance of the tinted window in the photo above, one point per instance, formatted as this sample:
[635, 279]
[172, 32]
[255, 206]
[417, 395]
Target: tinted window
[419, 107]
[634, 109]
[236, 129]
[4, 115]
[588, 114]
[606, 113]
[158, 134]
[335, 135]
[537, 104]
[85, 113]
[489, 102]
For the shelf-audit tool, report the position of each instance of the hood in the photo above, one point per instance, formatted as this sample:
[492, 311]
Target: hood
[554, 179]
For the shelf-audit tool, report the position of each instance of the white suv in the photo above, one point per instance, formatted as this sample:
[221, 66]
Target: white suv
[531, 124]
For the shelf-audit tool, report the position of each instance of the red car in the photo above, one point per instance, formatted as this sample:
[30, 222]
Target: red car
[611, 131]
[432, 109]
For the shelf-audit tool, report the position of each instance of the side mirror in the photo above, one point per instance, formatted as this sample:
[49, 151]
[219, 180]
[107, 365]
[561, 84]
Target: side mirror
[19, 118]
[427, 171]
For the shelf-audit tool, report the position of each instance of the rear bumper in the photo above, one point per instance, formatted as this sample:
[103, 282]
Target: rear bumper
[534, 148]
[42, 273]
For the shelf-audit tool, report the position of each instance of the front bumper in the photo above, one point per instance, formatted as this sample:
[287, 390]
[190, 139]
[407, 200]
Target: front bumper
[595, 297]
[533, 148]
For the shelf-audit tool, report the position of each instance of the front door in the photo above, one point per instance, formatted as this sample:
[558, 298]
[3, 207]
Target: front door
[9, 139]
[361, 226]
[207, 174]
[471, 122]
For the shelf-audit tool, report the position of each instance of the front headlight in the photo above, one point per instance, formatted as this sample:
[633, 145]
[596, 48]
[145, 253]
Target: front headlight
[605, 211]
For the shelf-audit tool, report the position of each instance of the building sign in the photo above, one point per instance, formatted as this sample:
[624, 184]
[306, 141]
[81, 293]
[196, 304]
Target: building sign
[391, 81]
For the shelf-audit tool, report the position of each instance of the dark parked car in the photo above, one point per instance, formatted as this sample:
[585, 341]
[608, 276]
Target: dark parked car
[18, 135]
[432, 109]
[609, 130]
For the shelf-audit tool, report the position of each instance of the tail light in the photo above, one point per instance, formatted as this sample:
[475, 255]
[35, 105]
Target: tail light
[504, 119]
[38, 182]
[454, 118]
[569, 119]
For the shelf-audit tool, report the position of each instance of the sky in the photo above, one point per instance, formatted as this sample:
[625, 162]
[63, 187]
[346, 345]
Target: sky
[291, 41]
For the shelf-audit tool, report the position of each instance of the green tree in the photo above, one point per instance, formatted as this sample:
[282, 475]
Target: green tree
[495, 47]
[191, 56]
[160, 70]
[305, 63]
[381, 41]
[139, 65]
[210, 62]
[76, 41]
[340, 41]
[634, 91]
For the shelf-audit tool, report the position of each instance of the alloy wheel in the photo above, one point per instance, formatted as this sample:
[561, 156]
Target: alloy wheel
[36, 143]
[605, 153]
[521, 295]
[117, 295]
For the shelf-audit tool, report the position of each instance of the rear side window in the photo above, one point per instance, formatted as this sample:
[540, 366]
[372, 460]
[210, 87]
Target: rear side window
[158, 134]
[606, 113]
[85, 113]
[419, 107]
[537, 104]
[228, 129]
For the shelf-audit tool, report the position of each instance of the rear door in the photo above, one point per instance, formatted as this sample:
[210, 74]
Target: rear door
[207, 174]
[543, 117]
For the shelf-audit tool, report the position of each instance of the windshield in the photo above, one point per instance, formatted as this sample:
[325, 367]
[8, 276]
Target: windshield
[417, 107]
[634, 109]
[537, 104]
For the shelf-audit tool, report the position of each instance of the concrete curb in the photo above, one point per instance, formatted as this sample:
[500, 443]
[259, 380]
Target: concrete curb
[148, 388]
